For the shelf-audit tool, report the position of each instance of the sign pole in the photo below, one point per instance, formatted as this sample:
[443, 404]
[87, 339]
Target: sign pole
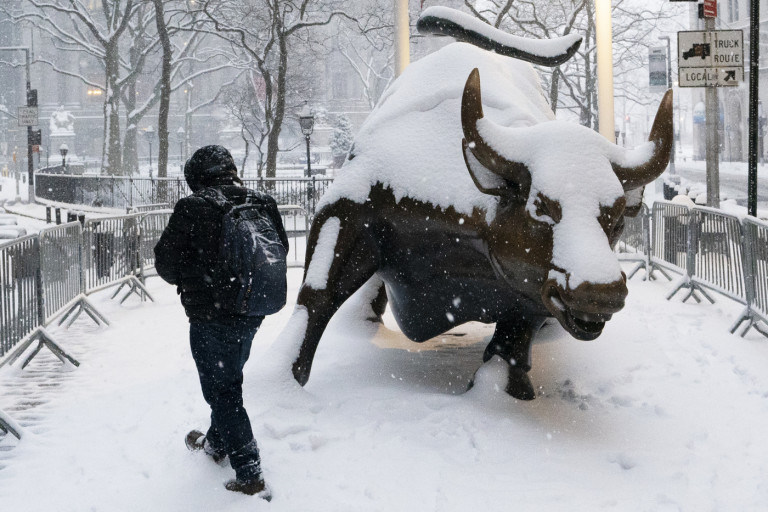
[754, 75]
[713, 144]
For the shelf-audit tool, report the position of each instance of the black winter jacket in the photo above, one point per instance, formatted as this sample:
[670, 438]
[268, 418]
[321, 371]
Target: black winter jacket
[188, 249]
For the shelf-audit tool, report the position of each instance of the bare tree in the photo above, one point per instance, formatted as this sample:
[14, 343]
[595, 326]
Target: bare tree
[572, 86]
[97, 32]
[268, 35]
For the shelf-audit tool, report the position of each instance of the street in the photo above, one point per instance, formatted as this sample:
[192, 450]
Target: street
[733, 181]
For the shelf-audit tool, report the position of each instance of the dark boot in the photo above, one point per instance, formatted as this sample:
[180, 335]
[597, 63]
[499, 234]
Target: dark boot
[196, 440]
[251, 486]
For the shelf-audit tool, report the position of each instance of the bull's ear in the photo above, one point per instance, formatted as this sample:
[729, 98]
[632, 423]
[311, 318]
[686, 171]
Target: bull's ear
[634, 200]
[486, 181]
[491, 172]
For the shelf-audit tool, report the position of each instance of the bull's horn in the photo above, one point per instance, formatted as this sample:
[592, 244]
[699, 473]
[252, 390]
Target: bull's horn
[661, 136]
[471, 113]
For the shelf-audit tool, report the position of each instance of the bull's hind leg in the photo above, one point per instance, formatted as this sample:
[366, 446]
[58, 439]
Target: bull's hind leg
[512, 342]
[341, 257]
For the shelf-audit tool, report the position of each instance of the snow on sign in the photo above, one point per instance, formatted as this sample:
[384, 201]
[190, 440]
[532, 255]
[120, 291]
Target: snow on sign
[710, 58]
[27, 116]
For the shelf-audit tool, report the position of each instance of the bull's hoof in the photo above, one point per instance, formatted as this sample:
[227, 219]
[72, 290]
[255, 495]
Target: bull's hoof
[519, 385]
[498, 374]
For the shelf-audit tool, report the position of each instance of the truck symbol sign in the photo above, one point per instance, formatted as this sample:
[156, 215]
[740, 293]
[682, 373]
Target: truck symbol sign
[702, 50]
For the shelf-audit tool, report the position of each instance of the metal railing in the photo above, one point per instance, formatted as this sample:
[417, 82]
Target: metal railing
[127, 192]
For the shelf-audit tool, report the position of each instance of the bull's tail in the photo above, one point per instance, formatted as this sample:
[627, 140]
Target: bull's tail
[450, 22]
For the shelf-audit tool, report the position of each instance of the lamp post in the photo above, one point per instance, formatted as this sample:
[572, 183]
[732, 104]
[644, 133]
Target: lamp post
[669, 86]
[149, 133]
[64, 149]
[307, 123]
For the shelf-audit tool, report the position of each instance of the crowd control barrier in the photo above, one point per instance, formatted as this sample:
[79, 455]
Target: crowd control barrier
[713, 251]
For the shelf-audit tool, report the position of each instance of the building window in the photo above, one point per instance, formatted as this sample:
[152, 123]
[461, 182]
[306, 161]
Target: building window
[733, 10]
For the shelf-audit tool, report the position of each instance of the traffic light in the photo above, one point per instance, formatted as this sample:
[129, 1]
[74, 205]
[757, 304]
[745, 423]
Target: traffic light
[32, 98]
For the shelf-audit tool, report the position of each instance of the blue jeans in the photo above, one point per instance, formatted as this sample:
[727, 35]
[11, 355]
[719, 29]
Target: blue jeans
[220, 352]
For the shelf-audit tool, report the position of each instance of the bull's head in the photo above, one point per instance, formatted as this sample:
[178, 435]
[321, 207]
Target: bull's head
[562, 191]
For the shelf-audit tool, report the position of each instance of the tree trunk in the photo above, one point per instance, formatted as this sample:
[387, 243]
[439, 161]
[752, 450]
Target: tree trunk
[111, 159]
[279, 112]
[165, 92]
[130, 141]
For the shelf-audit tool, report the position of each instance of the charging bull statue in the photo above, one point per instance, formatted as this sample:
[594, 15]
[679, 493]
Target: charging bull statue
[471, 203]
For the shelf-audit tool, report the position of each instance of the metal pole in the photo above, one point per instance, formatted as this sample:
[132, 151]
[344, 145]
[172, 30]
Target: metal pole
[713, 143]
[30, 163]
[669, 85]
[754, 76]
[402, 29]
[309, 165]
[604, 43]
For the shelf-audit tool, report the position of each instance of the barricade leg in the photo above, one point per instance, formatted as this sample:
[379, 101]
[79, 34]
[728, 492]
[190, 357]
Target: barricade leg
[134, 286]
[83, 305]
[43, 340]
[752, 320]
[693, 288]
[9, 426]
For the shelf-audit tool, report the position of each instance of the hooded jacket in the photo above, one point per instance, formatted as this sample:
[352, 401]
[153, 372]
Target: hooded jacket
[187, 252]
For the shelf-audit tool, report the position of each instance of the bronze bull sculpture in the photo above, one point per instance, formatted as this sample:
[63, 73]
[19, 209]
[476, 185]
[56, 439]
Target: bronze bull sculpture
[515, 223]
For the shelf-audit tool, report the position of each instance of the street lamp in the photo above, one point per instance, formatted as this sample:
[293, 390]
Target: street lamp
[64, 149]
[149, 133]
[669, 86]
[307, 123]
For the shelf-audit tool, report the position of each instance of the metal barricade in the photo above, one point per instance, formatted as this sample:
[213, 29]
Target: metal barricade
[60, 265]
[20, 298]
[296, 224]
[112, 254]
[718, 262]
[634, 243]
[756, 270]
[669, 244]
[152, 226]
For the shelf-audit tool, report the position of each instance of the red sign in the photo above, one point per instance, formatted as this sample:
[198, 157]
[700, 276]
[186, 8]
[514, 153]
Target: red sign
[710, 8]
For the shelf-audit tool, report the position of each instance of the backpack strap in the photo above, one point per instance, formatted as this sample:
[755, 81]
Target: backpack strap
[215, 197]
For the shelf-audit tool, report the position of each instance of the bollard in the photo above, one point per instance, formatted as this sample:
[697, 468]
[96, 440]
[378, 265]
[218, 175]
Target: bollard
[58, 216]
[48, 214]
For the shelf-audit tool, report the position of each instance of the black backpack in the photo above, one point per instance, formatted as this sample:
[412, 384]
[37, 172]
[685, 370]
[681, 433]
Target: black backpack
[250, 276]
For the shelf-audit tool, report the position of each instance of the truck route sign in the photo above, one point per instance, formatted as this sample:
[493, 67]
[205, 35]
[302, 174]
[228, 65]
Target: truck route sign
[710, 58]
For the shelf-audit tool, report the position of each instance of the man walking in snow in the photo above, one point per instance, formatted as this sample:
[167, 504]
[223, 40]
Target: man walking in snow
[188, 255]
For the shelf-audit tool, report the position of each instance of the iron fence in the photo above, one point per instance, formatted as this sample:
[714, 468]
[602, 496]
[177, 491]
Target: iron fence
[129, 193]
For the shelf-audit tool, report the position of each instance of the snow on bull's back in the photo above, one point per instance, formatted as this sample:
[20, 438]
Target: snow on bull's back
[411, 142]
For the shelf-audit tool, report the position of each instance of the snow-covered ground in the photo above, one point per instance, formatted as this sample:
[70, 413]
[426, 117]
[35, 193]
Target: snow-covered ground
[666, 411]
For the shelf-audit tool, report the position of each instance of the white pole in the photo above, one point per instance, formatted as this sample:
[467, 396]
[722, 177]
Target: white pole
[604, 37]
[402, 49]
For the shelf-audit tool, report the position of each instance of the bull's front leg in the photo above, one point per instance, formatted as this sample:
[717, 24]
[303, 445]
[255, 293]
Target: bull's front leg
[512, 342]
[340, 259]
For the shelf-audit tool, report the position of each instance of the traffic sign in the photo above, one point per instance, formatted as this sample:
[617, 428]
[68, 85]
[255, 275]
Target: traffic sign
[27, 116]
[710, 58]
